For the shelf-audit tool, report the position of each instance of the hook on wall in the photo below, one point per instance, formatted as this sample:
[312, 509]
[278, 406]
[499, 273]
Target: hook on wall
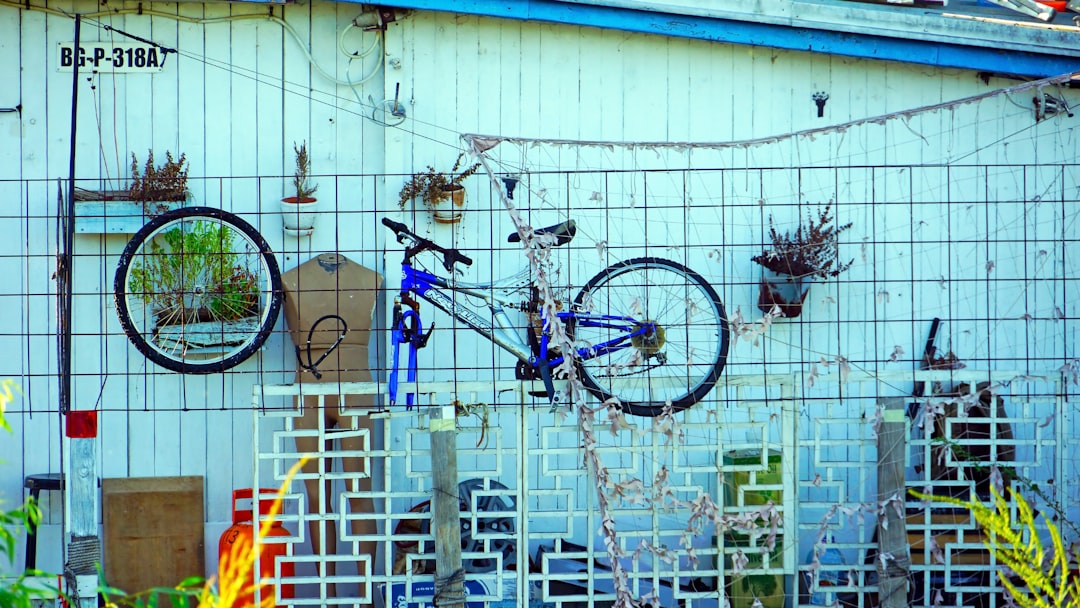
[820, 98]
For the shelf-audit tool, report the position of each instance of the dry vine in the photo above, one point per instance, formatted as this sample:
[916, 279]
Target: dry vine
[765, 522]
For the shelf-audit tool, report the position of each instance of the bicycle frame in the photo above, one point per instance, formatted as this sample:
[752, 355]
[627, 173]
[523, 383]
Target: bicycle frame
[496, 297]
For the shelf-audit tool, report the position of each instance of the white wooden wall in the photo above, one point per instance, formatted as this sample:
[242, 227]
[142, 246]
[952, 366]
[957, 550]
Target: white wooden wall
[238, 96]
[457, 74]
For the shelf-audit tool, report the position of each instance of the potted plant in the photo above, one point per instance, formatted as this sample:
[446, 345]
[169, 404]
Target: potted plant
[194, 275]
[298, 211]
[153, 190]
[797, 258]
[441, 192]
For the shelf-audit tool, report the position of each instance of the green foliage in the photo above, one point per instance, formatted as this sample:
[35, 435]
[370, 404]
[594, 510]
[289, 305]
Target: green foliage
[1047, 581]
[189, 593]
[303, 187]
[192, 274]
[17, 593]
[154, 186]
[811, 251]
[432, 186]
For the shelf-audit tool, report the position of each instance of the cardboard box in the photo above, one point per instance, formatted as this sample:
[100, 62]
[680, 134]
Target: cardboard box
[744, 487]
[423, 593]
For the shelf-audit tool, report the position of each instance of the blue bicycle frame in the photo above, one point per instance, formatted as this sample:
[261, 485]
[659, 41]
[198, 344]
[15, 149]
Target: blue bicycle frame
[408, 328]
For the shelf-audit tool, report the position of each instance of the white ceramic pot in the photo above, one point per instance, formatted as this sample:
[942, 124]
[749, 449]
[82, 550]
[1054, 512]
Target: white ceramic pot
[298, 215]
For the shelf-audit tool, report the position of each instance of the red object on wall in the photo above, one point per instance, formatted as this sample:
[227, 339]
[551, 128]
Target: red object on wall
[244, 530]
[81, 424]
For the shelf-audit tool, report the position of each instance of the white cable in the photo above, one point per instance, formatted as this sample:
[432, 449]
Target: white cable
[284, 24]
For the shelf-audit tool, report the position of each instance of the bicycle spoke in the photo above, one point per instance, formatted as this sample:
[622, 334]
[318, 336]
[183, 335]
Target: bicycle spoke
[681, 362]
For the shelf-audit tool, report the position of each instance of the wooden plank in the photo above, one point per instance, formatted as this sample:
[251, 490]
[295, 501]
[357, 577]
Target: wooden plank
[153, 531]
[111, 217]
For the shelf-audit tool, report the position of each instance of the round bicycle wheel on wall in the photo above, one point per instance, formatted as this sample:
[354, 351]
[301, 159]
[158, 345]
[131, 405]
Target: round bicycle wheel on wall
[675, 364]
[197, 290]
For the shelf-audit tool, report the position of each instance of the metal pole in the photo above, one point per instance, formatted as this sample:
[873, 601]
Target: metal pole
[67, 234]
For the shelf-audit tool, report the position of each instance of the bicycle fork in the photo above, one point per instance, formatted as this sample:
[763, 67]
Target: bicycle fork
[407, 329]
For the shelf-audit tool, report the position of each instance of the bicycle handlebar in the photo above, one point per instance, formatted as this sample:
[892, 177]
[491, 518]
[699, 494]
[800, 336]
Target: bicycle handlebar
[450, 256]
[397, 227]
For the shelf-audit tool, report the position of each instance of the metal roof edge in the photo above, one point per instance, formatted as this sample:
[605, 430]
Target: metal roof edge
[793, 32]
[907, 22]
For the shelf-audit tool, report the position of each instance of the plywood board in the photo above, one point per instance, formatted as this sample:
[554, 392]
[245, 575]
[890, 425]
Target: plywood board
[153, 531]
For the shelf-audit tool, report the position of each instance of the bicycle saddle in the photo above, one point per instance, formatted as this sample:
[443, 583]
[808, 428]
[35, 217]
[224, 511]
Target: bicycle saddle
[562, 232]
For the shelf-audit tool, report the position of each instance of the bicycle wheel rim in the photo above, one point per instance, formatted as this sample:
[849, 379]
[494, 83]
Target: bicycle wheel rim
[197, 290]
[681, 367]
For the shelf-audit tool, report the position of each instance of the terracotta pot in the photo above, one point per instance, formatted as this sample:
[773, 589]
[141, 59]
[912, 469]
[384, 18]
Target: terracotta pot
[450, 210]
[783, 290]
[298, 215]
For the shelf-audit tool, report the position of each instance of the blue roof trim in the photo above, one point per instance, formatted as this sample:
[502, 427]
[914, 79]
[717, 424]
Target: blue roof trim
[908, 50]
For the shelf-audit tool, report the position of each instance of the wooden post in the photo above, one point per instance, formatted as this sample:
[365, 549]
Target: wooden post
[892, 524]
[81, 506]
[445, 511]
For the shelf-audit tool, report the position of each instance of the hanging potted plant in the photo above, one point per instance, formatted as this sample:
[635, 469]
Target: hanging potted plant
[154, 189]
[795, 259]
[442, 193]
[298, 211]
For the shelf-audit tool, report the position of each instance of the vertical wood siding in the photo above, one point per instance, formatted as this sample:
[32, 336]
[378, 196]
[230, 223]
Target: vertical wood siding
[242, 91]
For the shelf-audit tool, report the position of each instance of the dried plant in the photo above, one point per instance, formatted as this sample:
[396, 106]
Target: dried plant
[154, 186]
[304, 189]
[946, 360]
[433, 186]
[810, 252]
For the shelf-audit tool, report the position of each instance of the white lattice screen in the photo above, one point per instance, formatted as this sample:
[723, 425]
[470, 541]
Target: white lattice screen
[535, 496]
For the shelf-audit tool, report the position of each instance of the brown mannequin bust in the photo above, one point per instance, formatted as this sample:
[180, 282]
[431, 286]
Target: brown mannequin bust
[329, 304]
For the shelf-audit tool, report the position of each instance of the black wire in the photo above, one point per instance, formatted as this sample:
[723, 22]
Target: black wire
[164, 49]
[311, 366]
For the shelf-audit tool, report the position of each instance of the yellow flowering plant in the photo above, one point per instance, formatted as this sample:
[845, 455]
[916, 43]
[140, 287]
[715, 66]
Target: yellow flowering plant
[1048, 579]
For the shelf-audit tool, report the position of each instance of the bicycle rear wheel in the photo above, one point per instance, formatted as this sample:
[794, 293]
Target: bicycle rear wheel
[680, 363]
[197, 290]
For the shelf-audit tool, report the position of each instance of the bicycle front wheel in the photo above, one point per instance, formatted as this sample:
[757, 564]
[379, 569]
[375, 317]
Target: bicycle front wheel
[197, 290]
[678, 363]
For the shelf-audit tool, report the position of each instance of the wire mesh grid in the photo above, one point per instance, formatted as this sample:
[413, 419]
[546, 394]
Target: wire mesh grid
[928, 241]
